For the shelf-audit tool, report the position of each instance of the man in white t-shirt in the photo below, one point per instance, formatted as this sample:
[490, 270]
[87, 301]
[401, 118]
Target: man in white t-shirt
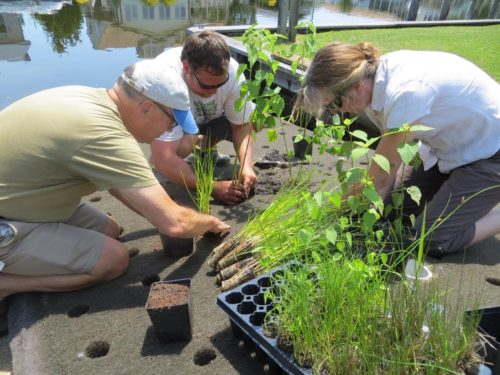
[205, 64]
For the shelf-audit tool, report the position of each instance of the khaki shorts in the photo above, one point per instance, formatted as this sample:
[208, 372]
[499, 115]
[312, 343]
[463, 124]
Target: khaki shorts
[45, 249]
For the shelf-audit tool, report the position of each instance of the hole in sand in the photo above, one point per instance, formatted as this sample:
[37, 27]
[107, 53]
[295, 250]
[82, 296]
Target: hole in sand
[204, 356]
[97, 349]
[77, 311]
[95, 199]
[148, 280]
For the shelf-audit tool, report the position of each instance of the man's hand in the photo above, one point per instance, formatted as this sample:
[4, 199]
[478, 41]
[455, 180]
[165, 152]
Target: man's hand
[248, 179]
[219, 227]
[228, 192]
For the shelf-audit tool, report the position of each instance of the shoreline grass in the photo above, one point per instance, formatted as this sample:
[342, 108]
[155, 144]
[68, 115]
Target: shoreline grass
[478, 44]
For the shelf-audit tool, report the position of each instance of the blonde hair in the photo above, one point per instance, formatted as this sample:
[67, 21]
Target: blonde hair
[336, 68]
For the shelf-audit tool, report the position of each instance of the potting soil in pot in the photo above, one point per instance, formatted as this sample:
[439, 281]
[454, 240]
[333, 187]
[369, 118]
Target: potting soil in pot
[165, 295]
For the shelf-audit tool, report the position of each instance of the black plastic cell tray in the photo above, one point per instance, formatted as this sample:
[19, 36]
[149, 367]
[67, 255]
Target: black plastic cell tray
[246, 309]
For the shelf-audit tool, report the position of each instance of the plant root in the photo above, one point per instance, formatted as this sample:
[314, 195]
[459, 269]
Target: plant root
[233, 269]
[220, 251]
[243, 275]
[242, 251]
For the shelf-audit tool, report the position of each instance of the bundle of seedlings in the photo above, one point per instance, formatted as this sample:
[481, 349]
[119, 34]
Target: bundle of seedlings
[229, 258]
[293, 227]
[340, 315]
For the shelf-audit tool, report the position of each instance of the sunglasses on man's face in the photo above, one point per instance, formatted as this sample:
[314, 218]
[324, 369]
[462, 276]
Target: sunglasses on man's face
[210, 87]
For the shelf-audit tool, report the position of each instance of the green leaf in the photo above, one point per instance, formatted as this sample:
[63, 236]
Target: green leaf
[275, 65]
[336, 199]
[264, 56]
[305, 235]
[331, 235]
[340, 246]
[241, 69]
[369, 218]
[384, 257]
[318, 197]
[374, 197]
[270, 122]
[278, 106]
[355, 175]
[272, 135]
[360, 134]
[239, 104]
[348, 237]
[371, 141]
[357, 153]
[269, 78]
[414, 193]
[298, 138]
[382, 162]
[407, 151]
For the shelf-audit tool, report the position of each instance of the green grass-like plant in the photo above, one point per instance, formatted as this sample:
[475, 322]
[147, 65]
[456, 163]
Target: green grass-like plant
[204, 167]
[343, 317]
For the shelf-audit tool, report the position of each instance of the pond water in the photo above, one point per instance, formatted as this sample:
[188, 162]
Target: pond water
[89, 42]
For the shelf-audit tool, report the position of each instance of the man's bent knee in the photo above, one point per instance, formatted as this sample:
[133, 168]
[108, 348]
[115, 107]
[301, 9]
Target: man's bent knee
[113, 261]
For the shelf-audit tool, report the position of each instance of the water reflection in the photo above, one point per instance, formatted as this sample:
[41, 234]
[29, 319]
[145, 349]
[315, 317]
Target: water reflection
[88, 42]
[63, 27]
[152, 25]
[13, 46]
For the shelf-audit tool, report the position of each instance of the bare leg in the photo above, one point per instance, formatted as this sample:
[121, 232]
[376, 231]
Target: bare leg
[113, 229]
[487, 226]
[112, 263]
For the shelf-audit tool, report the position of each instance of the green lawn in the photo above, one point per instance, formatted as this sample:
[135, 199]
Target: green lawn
[479, 44]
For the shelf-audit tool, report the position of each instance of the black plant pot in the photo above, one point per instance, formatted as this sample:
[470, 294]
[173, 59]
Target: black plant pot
[177, 247]
[489, 323]
[302, 148]
[170, 311]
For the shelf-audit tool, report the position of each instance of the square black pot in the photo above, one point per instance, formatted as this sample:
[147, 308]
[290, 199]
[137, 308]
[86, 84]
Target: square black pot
[302, 148]
[177, 247]
[171, 323]
[489, 323]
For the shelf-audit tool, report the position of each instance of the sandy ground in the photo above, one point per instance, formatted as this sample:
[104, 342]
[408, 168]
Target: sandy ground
[53, 333]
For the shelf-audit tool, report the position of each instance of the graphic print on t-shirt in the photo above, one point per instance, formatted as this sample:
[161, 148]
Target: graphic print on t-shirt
[205, 111]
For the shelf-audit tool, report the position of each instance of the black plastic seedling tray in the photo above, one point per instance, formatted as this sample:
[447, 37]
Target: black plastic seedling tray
[246, 307]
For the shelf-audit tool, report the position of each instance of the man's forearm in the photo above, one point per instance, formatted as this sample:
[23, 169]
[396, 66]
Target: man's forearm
[179, 172]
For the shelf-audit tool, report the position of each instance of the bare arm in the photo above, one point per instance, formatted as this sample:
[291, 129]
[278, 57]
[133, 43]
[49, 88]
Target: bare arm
[168, 158]
[243, 143]
[388, 147]
[168, 217]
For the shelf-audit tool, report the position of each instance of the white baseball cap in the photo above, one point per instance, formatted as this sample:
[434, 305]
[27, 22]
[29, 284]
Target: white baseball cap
[162, 84]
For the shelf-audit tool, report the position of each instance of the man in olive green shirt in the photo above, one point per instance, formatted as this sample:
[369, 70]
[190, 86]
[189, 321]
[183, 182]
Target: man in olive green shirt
[59, 145]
